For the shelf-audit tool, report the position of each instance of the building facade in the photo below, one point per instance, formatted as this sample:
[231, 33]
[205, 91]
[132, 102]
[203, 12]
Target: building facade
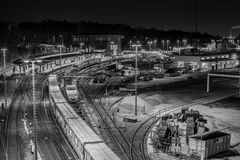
[206, 61]
[98, 43]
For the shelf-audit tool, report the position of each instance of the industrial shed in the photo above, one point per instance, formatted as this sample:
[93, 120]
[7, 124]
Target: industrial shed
[209, 143]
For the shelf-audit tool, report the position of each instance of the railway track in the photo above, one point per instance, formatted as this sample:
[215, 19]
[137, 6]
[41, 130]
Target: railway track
[139, 137]
[14, 130]
[138, 140]
[114, 130]
[13, 139]
[51, 140]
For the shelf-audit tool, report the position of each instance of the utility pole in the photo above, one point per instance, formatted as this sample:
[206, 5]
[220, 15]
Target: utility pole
[239, 83]
[167, 45]
[150, 45]
[34, 111]
[81, 45]
[61, 50]
[5, 81]
[137, 45]
[163, 41]
[196, 14]
[130, 46]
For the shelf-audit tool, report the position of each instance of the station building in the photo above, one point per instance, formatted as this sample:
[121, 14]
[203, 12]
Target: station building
[213, 61]
[98, 43]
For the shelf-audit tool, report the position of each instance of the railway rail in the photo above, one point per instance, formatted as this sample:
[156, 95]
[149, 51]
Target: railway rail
[114, 130]
[139, 137]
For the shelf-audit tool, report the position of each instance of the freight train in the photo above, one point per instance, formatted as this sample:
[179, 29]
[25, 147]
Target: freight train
[86, 143]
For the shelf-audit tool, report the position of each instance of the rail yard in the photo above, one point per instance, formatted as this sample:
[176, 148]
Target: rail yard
[85, 110]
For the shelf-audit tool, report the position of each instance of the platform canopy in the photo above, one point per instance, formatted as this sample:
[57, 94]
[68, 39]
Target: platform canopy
[21, 61]
[18, 62]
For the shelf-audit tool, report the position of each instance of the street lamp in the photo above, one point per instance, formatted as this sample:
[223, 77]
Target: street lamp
[239, 83]
[5, 82]
[81, 45]
[167, 44]
[163, 42]
[150, 44]
[178, 41]
[61, 36]
[34, 105]
[130, 46]
[155, 44]
[137, 45]
[185, 42]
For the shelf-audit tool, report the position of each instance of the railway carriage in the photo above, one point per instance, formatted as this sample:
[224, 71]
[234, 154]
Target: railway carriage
[81, 134]
[87, 144]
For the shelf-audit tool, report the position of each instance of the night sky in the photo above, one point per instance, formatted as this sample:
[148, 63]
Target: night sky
[215, 16]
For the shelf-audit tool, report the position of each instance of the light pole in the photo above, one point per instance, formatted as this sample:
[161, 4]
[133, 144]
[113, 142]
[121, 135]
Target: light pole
[167, 45]
[34, 106]
[178, 41]
[163, 42]
[61, 36]
[5, 90]
[81, 45]
[137, 45]
[150, 45]
[185, 44]
[239, 83]
[130, 46]
[155, 44]
[5, 82]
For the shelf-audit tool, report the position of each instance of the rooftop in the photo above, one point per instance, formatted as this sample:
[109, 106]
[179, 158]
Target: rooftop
[204, 54]
[210, 135]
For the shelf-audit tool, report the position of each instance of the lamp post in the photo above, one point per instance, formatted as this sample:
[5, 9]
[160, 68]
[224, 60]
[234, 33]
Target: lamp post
[61, 36]
[167, 45]
[34, 106]
[150, 45]
[5, 82]
[163, 42]
[185, 44]
[130, 46]
[137, 45]
[81, 45]
[155, 44]
[178, 41]
[5, 91]
[239, 83]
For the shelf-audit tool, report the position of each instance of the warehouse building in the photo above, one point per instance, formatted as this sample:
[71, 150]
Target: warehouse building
[214, 61]
[98, 43]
